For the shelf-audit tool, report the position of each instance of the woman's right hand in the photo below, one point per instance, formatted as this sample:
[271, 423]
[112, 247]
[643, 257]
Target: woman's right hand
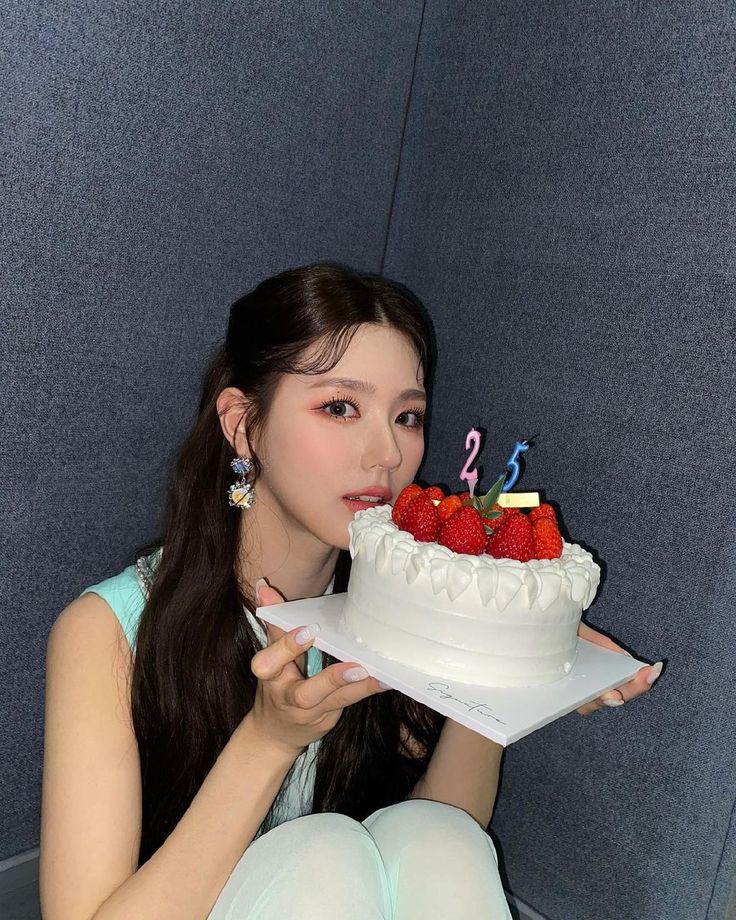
[290, 710]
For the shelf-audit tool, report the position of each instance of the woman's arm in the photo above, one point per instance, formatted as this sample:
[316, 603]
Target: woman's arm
[91, 808]
[463, 771]
[184, 877]
[465, 767]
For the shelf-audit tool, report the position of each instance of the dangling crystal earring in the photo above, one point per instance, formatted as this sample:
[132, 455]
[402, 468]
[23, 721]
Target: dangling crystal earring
[241, 494]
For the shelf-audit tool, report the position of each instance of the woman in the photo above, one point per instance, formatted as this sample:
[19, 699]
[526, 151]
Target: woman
[198, 765]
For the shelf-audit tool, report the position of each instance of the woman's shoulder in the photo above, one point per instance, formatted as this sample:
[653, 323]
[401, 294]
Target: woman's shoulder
[127, 591]
[124, 581]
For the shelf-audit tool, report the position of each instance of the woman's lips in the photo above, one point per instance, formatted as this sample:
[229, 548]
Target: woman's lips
[355, 505]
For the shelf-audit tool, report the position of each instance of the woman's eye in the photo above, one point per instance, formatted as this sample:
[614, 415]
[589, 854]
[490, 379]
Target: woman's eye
[342, 409]
[412, 419]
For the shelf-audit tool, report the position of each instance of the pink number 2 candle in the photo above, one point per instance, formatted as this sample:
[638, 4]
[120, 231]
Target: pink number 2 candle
[472, 443]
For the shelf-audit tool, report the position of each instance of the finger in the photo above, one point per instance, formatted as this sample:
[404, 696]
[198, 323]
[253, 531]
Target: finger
[335, 687]
[592, 635]
[269, 663]
[273, 632]
[639, 684]
[266, 595]
[591, 707]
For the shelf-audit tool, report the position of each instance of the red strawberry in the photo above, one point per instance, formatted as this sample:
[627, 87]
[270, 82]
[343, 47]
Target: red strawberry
[547, 539]
[434, 492]
[405, 496]
[420, 519]
[505, 514]
[449, 506]
[463, 532]
[543, 510]
[513, 540]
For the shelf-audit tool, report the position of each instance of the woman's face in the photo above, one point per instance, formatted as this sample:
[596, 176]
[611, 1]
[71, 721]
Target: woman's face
[356, 430]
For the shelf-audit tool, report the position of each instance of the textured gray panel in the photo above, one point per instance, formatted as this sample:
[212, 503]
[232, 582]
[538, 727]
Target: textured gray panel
[566, 209]
[159, 160]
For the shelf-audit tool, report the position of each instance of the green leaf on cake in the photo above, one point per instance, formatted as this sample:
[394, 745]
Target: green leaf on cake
[494, 493]
[484, 503]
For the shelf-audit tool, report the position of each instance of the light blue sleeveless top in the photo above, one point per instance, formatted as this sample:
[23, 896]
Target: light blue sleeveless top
[126, 593]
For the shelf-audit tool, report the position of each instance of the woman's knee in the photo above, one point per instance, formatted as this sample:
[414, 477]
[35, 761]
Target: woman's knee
[328, 832]
[432, 827]
[328, 852]
[421, 813]
[327, 842]
[439, 861]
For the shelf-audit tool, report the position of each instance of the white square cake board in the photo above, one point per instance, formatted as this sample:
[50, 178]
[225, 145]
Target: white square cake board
[502, 714]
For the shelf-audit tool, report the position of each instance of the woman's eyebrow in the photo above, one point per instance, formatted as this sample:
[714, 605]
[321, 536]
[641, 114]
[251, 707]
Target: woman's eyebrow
[363, 386]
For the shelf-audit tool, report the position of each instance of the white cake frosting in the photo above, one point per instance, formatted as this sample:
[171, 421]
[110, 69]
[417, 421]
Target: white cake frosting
[476, 619]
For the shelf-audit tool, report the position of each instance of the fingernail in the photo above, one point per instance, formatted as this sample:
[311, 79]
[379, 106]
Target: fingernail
[261, 583]
[353, 674]
[384, 686]
[613, 702]
[654, 673]
[308, 633]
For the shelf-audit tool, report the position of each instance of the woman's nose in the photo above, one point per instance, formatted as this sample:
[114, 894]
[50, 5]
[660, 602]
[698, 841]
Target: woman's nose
[381, 449]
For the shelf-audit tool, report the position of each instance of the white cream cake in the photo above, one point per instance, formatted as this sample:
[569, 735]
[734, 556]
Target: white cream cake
[475, 619]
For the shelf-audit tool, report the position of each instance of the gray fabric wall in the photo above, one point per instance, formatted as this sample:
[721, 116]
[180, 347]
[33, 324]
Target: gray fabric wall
[160, 159]
[566, 207]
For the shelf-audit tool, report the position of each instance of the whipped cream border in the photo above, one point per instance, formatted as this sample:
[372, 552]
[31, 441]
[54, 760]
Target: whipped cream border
[380, 542]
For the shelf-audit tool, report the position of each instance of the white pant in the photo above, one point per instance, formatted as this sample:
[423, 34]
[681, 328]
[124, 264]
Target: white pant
[417, 859]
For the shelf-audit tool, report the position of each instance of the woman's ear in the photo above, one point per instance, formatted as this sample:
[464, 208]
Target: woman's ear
[232, 409]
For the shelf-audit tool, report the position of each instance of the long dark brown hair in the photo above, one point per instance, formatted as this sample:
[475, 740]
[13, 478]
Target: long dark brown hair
[191, 681]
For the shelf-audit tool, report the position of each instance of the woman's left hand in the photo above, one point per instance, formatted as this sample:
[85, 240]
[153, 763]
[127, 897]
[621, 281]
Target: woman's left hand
[640, 683]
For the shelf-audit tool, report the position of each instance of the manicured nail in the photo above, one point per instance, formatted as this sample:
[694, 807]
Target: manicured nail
[654, 673]
[613, 702]
[353, 674]
[384, 686]
[308, 633]
[261, 583]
